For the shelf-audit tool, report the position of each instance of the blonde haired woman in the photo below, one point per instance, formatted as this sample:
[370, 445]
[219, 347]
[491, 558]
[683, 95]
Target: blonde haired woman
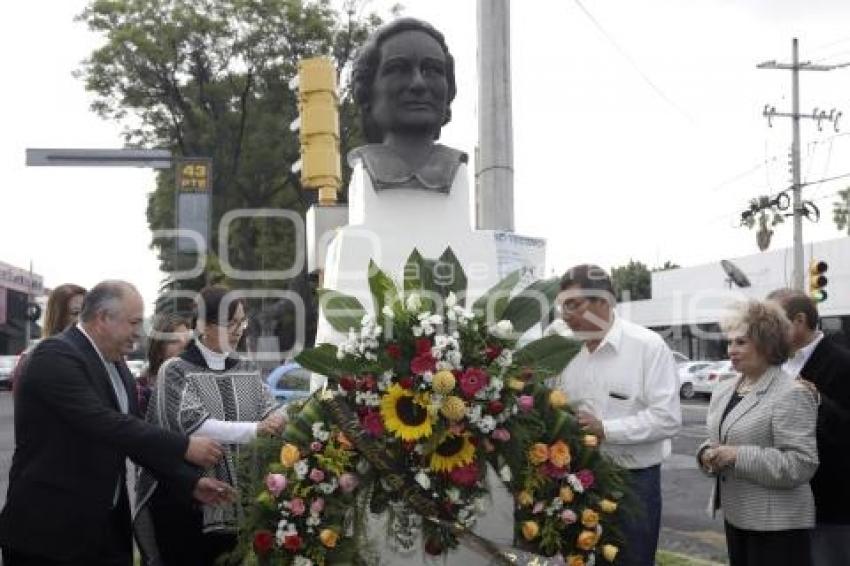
[761, 448]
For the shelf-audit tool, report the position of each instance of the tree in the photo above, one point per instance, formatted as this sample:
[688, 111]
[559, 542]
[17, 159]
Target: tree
[841, 211]
[632, 282]
[210, 78]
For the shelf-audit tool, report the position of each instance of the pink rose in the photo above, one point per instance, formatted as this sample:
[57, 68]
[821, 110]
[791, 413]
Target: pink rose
[348, 482]
[568, 516]
[586, 478]
[554, 471]
[317, 475]
[525, 402]
[276, 483]
[501, 434]
[317, 506]
[316, 446]
[538, 508]
[465, 476]
[472, 381]
[373, 424]
[296, 506]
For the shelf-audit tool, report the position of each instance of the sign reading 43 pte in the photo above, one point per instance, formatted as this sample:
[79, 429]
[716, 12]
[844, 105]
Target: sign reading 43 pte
[194, 175]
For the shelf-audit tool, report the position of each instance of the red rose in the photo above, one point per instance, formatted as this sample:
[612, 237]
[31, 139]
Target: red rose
[423, 363]
[393, 350]
[472, 381]
[292, 543]
[263, 542]
[371, 421]
[492, 352]
[465, 476]
[495, 407]
[423, 346]
[406, 382]
[347, 382]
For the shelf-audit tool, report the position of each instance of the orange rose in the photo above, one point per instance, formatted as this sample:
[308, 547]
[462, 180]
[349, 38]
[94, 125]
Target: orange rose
[558, 399]
[575, 560]
[538, 454]
[589, 518]
[559, 454]
[524, 498]
[609, 551]
[328, 537]
[608, 506]
[530, 530]
[567, 494]
[591, 441]
[587, 540]
[289, 454]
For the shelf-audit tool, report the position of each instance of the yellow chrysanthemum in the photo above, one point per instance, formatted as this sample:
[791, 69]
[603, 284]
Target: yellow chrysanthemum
[405, 414]
[443, 382]
[453, 452]
[454, 409]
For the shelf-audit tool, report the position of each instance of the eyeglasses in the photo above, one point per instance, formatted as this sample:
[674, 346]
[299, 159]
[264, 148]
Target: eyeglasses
[235, 325]
[570, 306]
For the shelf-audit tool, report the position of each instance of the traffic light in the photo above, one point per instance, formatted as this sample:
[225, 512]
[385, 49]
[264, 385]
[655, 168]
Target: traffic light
[817, 280]
[318, 122]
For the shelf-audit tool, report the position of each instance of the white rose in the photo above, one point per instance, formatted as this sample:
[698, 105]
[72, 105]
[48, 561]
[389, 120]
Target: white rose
[502, 329]
[413, 302]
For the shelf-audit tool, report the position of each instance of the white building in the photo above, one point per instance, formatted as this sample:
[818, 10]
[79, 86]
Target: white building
[688, 302]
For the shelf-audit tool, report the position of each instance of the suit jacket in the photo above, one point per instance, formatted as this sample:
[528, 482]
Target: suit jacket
[773, 427]
[71, 442]
[829, 369]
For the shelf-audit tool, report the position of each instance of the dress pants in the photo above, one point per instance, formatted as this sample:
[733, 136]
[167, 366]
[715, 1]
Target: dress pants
[768, 548]
[641, 524]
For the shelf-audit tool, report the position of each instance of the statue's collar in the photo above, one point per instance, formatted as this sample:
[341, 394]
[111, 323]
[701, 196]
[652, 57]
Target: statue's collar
[389, 171]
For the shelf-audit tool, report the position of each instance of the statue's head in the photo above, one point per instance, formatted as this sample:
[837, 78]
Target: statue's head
[404, 80]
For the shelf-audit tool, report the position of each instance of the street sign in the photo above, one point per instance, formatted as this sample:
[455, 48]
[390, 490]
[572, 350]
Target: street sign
[194, 175]
[194, 189]
[63, 157]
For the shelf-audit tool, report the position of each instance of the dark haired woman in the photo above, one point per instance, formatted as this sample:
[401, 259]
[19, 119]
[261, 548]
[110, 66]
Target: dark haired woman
[208, 390]
[169, 336]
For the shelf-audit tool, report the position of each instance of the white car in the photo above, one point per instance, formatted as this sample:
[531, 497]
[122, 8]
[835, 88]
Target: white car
[7, 366]
[686, 371]
[706, 379]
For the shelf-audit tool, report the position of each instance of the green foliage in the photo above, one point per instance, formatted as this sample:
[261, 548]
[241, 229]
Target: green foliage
[632, 282]
[550, 354]
[341, 311]
[841, 211]
[210, 78]
[496, 298]
[533, 303]
[384, 291]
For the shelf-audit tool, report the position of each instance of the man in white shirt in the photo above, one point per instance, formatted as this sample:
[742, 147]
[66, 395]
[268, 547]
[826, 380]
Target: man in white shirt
[624, 385]
[824, 365]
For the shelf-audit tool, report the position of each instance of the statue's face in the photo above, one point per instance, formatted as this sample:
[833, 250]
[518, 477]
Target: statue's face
[410, 89]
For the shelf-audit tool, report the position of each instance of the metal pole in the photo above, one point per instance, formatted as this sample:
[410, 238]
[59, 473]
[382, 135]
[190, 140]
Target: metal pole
[798, 282]
[495, 168]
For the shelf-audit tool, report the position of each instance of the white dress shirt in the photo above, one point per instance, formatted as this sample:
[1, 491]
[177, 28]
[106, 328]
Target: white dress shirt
[795, 363]
[227, 432]
[630, 383]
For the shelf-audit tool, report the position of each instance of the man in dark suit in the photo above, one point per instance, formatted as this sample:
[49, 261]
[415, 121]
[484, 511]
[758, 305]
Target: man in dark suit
[76, 422]
[826, 365]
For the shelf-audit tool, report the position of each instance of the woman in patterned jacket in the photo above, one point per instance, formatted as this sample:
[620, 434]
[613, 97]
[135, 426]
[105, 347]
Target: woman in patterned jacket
[208, 391]
[761, 449]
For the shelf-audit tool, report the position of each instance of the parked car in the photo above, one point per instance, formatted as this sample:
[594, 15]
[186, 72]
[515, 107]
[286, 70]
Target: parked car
[289, 382]
[7, 366]
[707, 378]
[686, 371]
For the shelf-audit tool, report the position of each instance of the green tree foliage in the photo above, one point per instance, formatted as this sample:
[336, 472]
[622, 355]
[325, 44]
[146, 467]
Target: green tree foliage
[633, 282]
[841, 211]
[210, 78]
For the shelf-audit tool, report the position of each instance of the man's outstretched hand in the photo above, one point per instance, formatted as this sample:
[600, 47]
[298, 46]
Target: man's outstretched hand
[211, 491]
[203, 452]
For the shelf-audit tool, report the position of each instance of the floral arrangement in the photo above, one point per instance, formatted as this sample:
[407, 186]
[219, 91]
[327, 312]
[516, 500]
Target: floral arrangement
[423, 396]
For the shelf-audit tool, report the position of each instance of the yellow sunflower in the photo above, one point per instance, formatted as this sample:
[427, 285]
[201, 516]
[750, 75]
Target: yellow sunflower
[405, 414]
[453, 452]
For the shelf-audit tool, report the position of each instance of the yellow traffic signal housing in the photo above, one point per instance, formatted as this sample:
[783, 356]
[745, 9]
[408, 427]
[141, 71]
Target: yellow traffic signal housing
[818, 281]
[319, 128]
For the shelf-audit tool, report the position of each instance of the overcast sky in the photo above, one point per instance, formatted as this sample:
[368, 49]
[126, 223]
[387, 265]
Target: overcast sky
[638, 131]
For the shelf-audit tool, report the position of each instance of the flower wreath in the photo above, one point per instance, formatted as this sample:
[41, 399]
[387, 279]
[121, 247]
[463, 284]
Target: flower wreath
[421, 397]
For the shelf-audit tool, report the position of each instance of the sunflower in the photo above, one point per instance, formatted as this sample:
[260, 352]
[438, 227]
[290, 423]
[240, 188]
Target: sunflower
[453, 452]
[405, 413]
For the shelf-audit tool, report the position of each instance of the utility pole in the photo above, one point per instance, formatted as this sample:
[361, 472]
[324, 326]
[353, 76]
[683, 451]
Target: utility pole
[770, 112]
[495, 157]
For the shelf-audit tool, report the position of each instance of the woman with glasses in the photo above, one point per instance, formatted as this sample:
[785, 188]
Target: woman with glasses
[208, 390]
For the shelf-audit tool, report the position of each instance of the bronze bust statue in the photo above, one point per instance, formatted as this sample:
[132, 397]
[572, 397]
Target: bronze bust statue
[404, 83]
